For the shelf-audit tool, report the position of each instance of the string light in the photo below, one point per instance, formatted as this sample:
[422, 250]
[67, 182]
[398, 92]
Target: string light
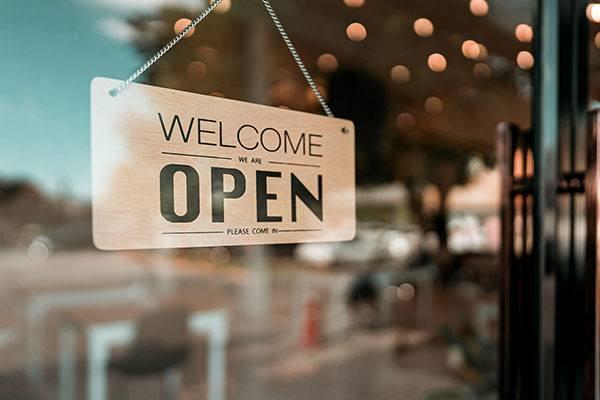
[196, 70]
[181, 24]
[479, 8]
[405, 121]
[470, 49]
[423, 27]
[597, 40]
[208, 54]
[400, 74]
[525, 60]
[481, 71]
[327, 62]
[437, 62]
[593, 12]
[356, 32]
[434, 105]
[524, 33]
[354, 3]
[223, 7]
[483, 52]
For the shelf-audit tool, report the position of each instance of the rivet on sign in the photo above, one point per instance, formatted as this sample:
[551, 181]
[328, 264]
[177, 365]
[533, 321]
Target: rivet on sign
[344, 130]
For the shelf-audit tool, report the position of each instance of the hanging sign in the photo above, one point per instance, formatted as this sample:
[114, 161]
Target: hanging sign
[178, 169]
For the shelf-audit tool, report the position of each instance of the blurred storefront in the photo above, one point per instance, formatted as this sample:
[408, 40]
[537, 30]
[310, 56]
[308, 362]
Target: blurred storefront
[473, 271]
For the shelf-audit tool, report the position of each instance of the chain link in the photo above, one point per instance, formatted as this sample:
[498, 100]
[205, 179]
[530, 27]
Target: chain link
[165, 48]
[197, 20]
[296, 57]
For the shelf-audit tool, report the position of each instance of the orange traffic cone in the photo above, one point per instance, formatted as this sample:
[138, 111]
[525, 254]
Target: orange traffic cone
[311, 335]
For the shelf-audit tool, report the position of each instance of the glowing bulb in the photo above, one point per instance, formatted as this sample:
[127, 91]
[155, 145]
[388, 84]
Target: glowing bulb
[593, 12]
[354, 3]
[481, 71]
[437, 62]
[181, 24]
[356, 32]
[327, 62]
[208, 54]
[434, 105]
[483, 52]
[470, 49]
[524, 33]
[223, 7]
[405, 121]
[423, 27]
[597, 40]
[400, 74]
[196, 70]
[525, 60]
[479, 8]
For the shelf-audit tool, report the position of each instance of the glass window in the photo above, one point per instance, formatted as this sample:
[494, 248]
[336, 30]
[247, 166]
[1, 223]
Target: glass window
[408, 309]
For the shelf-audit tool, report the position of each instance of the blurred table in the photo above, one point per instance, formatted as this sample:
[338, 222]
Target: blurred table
[101, 336]
[39, 305]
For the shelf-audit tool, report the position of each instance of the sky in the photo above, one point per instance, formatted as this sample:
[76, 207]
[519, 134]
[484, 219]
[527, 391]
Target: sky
[50, 50]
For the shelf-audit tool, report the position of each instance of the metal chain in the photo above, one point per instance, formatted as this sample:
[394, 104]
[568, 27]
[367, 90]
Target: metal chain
[203, 15]
[297, 58]
[165, 48]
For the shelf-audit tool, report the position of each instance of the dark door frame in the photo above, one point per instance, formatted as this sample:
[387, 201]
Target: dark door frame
[548, 348]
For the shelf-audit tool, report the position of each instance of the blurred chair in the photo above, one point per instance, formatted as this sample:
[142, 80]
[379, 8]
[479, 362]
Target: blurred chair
[8, 335]
[13, 386]
[161, 346]
[16, 387]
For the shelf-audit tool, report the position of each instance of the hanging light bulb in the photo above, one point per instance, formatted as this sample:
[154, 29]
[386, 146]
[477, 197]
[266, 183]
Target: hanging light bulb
[181, 24]
[327, 62]
[434, 105]
[437, 62]
[479, 8]
[525, 60]
[356, 32]
[405, 121]
[354, 3]
[400, 74]
[524, 33]
[423, 27]
[470, 49]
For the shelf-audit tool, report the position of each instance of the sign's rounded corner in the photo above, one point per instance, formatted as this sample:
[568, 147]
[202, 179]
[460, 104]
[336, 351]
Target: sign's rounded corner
[99, 245]
[96, 80]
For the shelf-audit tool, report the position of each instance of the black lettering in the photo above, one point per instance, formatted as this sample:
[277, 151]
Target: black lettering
[167, 193]
[262, 196]
[287, 139]
[219, 194]
[184, 136]
[262, 139]
[201, 131]
[240, 140]
[313, 203]
[311, 145]
[221, 137]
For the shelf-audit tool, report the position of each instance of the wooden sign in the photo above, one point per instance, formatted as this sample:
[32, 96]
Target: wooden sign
[177, 169]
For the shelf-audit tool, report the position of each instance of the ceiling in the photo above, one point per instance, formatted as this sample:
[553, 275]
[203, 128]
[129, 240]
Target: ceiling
[248, 54]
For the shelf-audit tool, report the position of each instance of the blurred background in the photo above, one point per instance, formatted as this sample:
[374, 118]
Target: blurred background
[409, 309]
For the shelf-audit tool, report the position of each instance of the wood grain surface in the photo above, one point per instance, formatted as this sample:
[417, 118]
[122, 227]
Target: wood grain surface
[177, 169]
